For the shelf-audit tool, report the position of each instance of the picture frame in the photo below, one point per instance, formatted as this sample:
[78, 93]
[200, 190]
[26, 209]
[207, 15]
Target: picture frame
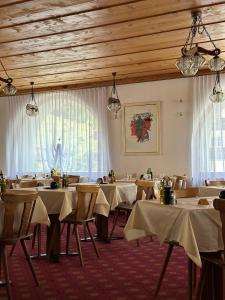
[141, 128]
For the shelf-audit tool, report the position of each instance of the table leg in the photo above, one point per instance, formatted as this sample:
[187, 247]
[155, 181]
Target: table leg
[190, 273]
[102, 227]
[53, 238]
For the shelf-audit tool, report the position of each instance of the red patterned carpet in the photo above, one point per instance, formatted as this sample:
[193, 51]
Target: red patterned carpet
[124, 272]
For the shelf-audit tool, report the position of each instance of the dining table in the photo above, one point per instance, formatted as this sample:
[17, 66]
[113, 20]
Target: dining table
[59, 203]
[197, 228]
[115, 193]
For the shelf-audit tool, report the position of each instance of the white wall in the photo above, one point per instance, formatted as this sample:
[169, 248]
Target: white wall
[175, 133]
[174, 157]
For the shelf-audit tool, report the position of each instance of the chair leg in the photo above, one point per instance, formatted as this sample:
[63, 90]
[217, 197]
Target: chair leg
[6, 271]
[85, 232]
[67, 238]
[166, 261]
[39, 239]
[92, 239]
[63, 227]
[78, 245]
[115, 218]
[37, 234]
[194, 275]
[201, 283]
[34, 236]
[12, 249]
[29, 261]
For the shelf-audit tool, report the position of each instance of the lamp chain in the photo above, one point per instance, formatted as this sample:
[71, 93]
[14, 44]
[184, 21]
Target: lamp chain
[4, 69]
[195, 27]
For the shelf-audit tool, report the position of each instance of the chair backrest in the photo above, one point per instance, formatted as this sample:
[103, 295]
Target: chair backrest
[145, 186]
[10, 182]
[214, 183]
[73, 179]
[179, 182]
[56, 178]
[18, 211]
[86, 199]
[187, 193]
[219, 204]
[27, 184]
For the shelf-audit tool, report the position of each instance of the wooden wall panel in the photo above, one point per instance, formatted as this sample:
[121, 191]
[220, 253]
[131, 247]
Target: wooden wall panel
[81, 42]
[111, 16]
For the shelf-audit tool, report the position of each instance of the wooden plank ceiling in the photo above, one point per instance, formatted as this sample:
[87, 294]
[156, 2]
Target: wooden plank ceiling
[79, 43]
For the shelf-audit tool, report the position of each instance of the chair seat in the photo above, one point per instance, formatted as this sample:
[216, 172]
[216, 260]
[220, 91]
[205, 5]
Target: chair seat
[15, 238]
[214, 257]
[70, 218]
[125, 206]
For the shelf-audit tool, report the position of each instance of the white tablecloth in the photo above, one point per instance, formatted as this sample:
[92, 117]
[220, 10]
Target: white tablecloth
[197, 228]
[44, 181]
[119, 192]
[63, 201]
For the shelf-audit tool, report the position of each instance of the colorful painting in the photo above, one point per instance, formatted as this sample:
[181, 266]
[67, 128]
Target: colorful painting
[141, 128]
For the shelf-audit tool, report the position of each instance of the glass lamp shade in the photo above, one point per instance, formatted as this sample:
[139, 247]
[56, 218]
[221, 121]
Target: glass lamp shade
[190, 72]
[216, 63]
[32, 109]
[218, 95]
[114, 105]
[184, 63]
[198, 61]
[9, 89]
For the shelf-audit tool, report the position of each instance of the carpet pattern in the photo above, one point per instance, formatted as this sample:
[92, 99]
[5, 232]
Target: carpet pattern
[123, 272]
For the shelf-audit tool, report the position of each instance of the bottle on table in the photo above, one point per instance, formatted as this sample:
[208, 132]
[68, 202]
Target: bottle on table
[150, 174]
[112, 176]
[161, 192]
[2, 183]
[64, 181]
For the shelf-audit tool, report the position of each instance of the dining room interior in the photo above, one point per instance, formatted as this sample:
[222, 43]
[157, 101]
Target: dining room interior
[112, 160]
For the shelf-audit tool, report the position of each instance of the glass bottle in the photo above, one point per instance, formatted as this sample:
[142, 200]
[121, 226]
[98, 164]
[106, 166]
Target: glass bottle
[64, 181]
[2, 183]
[161, 192]
[150, 174]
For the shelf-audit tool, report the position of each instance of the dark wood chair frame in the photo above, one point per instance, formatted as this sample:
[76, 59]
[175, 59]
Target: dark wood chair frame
[13, 202]
[142, 186]
[82, 215]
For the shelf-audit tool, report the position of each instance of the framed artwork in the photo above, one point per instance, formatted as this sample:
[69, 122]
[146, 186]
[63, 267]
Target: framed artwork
[141, 125]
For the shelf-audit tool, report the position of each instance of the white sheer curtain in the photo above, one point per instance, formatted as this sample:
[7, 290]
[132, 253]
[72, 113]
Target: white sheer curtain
[69, 134]
[208, 136]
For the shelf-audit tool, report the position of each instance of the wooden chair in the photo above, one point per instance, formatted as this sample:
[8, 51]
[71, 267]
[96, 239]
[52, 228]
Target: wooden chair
[27, 184]
[183, 193]
[73, 179]
[10, 182]
[82, 215]
[19, 207]
[142, 186]
[187, 193]
[214, 261]
[179, 182]
[56, 178]
[214, 183]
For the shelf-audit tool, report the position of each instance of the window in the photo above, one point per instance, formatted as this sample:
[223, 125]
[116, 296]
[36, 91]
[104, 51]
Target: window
[70, 134]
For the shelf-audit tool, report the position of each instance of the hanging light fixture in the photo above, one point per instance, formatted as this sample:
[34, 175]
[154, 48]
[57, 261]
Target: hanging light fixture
[114, 102]
[217, 95]
[9, 89]
[32, 108]
[192, 59]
